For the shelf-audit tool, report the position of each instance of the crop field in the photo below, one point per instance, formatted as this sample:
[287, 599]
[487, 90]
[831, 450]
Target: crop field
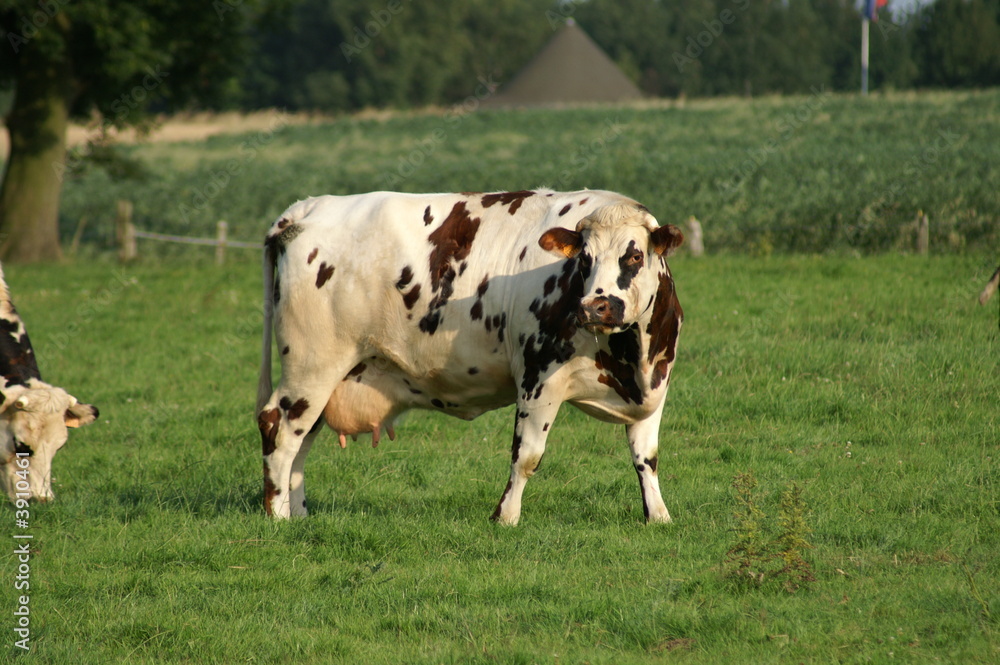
[817, 173]
[857, 384]
[870, 383]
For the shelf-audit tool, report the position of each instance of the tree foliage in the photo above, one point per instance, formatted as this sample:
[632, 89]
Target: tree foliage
[108, 60]
[334, 55]
[347, 54]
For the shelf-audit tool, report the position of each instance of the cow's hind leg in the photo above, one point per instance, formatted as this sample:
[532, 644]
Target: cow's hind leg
[297, 482]
[531, 429]
[288, 424]
[643, 441]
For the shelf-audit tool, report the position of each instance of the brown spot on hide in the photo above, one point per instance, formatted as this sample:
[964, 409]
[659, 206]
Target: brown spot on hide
[312, 256]
[428, 217]
[356, 371]
[282, 223]
[477, 307]
[483, 286]
[620, 377]
[624, 345]
[512, 199]
[584, 200]
[452, 243]
[545, 427]
[520, 257]
[285, 351]
[294, 411]
[566, 209]
[651, 463]
[473, 370]
[324, 274]
[405, 277]
[299, 432]
[410, 298]
[663, 329]
[267, 422]
[550, 284]
[629, 265]
[17, 357]
[659, 373]
[557, 324]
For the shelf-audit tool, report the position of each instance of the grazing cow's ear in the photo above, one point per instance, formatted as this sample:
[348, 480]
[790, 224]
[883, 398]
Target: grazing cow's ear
[561, 241]
[79, 415]
[666, 239]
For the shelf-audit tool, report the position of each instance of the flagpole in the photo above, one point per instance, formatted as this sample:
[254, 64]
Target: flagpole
[864, 55]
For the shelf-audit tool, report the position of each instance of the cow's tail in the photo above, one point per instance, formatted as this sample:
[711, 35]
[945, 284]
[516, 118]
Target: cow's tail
[264, 384]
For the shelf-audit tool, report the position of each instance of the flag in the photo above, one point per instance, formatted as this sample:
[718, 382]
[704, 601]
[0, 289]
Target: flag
[872, 7]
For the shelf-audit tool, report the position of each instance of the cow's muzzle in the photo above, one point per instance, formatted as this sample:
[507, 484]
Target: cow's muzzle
[602, 314]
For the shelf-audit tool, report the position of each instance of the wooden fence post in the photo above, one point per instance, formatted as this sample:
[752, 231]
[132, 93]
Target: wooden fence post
[222, 233]
[923, 233]
[125, 231]
[695, 242]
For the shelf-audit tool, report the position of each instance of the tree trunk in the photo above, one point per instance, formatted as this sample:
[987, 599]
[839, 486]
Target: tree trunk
[29, 197]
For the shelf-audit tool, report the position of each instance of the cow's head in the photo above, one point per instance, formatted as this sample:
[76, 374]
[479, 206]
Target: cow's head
[33, 422]
[620, 248]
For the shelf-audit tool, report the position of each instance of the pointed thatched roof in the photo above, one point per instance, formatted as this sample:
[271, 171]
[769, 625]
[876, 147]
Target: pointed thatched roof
[570, 69]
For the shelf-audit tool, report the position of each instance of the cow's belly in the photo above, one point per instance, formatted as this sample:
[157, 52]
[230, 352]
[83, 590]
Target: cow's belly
[377, 391]
[613, 410]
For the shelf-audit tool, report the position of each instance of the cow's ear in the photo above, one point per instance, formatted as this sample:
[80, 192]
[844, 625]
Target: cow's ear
[79, 415]
[666, 239]
[561, 241]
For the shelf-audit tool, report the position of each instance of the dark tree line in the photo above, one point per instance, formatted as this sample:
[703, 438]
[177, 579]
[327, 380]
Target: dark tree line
[333, 55]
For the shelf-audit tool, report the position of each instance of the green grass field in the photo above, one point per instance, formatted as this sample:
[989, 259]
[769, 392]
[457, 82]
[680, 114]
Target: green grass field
[872, 382]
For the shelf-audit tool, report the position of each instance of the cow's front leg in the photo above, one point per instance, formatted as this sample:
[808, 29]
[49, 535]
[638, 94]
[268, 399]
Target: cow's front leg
[532, 423]
[643, 441]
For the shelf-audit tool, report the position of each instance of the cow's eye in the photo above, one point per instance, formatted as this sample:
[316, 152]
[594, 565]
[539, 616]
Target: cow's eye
[635, 259]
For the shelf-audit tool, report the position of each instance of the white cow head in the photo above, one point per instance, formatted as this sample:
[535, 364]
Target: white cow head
[620, 248]
[33, 425]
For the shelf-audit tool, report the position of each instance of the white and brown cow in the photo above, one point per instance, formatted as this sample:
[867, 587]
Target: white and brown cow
[34, 416]
[464, 303]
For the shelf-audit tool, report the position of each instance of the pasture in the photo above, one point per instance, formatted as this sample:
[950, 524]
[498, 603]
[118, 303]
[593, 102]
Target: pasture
[871, 382]
[868, 379]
